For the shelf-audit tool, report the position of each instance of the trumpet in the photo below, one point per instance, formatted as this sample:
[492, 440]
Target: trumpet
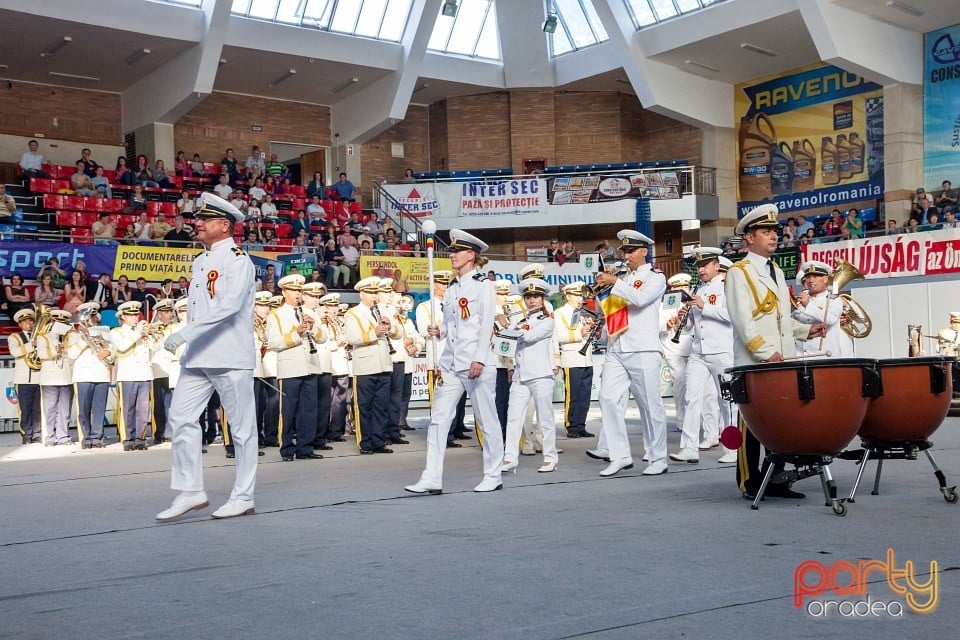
[620, 269]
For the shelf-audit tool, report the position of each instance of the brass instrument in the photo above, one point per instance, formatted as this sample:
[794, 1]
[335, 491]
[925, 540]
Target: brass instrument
[620, 269]
[914, 340]
[405, 307]
[375, 312]
[84, 322]
[41, 327]
[260, 330]
[858, 324]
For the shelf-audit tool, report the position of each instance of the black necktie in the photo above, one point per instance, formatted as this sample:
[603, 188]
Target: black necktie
[773, 272]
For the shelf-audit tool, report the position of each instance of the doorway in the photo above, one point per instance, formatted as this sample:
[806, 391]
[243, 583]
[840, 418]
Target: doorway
[302, 160]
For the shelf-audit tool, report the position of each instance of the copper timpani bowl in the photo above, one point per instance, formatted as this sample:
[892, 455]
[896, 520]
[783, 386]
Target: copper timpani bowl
[914, 401]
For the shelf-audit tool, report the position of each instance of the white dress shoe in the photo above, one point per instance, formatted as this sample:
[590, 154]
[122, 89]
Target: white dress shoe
[509, 465]
[686, 455]
[598, 454]
[423, 487]
[655, 468]
[547, 467]
[488, 484]
[184, 503]
[729, 456]
[708, 444]
[233, 508]
[616, 466]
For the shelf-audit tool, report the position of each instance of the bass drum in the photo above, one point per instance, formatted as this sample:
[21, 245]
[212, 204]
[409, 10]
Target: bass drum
[915, 398]
[812, 407]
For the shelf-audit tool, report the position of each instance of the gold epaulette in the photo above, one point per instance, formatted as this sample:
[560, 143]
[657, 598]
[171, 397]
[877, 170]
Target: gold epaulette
[769, 302]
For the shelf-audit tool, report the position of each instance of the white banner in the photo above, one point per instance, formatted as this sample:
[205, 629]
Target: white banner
[506, 197]
[418, 200]
[904, 254]
[555, 274]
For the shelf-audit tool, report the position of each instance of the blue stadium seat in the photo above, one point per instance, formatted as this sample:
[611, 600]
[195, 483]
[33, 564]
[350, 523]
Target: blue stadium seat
[631, 165]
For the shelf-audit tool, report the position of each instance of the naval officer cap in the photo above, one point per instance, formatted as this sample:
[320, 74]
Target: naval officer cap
[130, 308]
[679, 280]
[262, 297]
[385, 285]
[630, 240]
[330, 300]
[368, 285]
[89, 306]
[813, 268]
[444, 276]
[166, 304]
[502, 287]
[704, 255]
[213, 207]
[955, 316]
[534, 287]
[460, 240]
[725, 264]
[315, 289]
[764, 216]
[576, 289]
[180, 304]
[276, 301]
[531, 271]
[292, 282]
[60, 315]
[27, 314]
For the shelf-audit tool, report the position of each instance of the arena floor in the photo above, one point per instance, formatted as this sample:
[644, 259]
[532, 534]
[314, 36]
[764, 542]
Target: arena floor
[337, 549]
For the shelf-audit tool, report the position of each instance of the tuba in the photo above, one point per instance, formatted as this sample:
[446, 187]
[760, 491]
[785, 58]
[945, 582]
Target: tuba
[858, 324]
[41, 327]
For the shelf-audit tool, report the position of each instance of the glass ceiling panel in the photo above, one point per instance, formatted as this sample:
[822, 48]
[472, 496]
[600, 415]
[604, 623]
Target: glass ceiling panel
[579, 26]
[473, 32]
[648, 12]
[380, 19]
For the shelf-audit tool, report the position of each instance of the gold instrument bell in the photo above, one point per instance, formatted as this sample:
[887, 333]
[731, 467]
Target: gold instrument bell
[858, 324]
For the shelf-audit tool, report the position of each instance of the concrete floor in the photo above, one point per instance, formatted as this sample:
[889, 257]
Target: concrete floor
[338, 550]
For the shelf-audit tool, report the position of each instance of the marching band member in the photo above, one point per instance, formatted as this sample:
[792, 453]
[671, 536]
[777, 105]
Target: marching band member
[531, 441]
[468, 310]
[133, 373]
[504, 363]
[56, 378]
[533, 378]
[412, 345]
[633, 360]
[26, 381]
[322, 367]
[368, 332]
[948, 340]
[265, 375]
[92, 372]
[710, 355]
[218, 357]
[814, 305]
[160, 329]
[180, 309]
[763, 331]
[340, 389]
[676, 354]
[389, 309]
[571, 330]
[291, 333]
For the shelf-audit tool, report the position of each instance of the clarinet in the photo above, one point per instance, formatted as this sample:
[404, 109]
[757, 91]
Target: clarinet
[313, 347]
[594, 334]
[683, 316]
[375, 312]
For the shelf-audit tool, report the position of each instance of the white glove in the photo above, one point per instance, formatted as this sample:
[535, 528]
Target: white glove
[173, 342]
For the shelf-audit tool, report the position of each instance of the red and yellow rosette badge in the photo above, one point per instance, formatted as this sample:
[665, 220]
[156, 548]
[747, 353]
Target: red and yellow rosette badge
[212, 282]
[712, 299]
[464, 309]
[637, 284]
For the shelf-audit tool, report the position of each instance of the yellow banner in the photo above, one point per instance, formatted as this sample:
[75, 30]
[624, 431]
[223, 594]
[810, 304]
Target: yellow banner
[153, 263]
[411, 272]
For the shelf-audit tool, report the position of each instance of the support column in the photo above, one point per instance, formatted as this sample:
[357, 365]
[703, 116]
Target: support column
[719, 150]
[902, 148]
[155, 140]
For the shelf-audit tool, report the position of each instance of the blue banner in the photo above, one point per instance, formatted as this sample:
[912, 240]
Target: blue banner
[26, 258]
[941, 106]
[826, 198]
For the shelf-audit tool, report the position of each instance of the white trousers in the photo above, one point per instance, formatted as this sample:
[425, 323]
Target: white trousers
[532, 439]
[703, 397]
[639, 372]
[482, 392]
[541, 390]
[190, 398]
[678, 373]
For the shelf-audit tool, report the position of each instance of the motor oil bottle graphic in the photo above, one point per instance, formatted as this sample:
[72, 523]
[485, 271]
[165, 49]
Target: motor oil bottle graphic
[755, 146]
[804, 165]
[843, 157]
[829, 172]
[857, 153]
[781, 169]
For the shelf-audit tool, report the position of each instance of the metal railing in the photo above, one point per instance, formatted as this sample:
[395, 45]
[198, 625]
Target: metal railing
[406, 221]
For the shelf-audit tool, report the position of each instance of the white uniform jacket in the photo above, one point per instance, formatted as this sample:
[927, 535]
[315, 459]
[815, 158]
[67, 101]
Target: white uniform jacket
[568, 338]
[337, 344]
[219, 333]
[19, 348]
[534, 352]
[161, 358]
[823, 308]
[293, 350]
[87, 367]
[56, 369]
[642, 289]
[712, 331]
[469, 307]
[133, 354]
[670, 348]
[370, 352]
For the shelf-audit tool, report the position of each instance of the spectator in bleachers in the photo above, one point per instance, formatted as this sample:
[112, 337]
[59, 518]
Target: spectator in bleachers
[284, 188]
[251, 242]
[180, 165]
[31, 162]
[553, 250]
[790, 234]
[158, 231]
[253, 174]
[949, 219]
[238, 201]
[570, 252]
[269, 239]
[802, 225]
[380, 245]
[608, 255]
[123, 293]
[160, 175]
[74, 292]
[89, 164]
[317, 187]
[346, 238]
[130, 234]
[315, 211]
[300, 223]
[196, 166]
[947, 197]
[300, 245]
[143, 174]
[255, 160]
[104, 230]
[933, 223]
[257, 192]
[122, 173]
[185, 204]
[223, 188]
[275, 169]
[183, 286]
[141, 229]
[230, 162]
[269, 184]
[834, 224]
[140, 293]
[351, 260]
[101, 184]
[345, 189]
[8, 206]
[729, 250]
[82, 184]
[924, 209]
[167, 290]
[81, 266]
[137, 201]
[52, 268]
[101, 292]
[269, 210]
[809, 237]
[366, 237]
[408, 176]
[45, 292]
[337, 272]
[854, 224]
[892, 227]
[16, 294]
[375, 228]
[179, 236]
[417, 251]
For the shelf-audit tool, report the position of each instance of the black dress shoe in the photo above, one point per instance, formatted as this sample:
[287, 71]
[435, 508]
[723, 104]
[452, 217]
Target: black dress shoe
[399, 441]
[586, 434]
[287, 458]
[128, 447]
[309, 456]
[142, 446]
[366, 452]
[230, 454]
[453, 445]
[407, 427]
[341, 439]
[86, 445]
[574, 434]
[462, 436]
[382, 450]
[323, 447]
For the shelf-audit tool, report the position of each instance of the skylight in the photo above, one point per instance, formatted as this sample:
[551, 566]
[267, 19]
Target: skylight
[379, 19]
[648, 12]
[578, 26]
[473, 32]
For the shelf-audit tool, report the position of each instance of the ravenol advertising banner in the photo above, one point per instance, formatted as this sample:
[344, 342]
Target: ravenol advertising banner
[810, 139]
[941, 106]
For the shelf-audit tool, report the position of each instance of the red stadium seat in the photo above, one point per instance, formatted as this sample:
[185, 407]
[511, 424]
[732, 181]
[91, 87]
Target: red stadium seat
[328, 206]
[299, 204]
[354, 207]
[67, 218]
[86, 219]
[63, 172]
[81, 236]
[114, 205]
[75, 203]
[284, 230]
[299, 190]
[284, 242]
[52, 201]
[93, 204]
[169, 208]
[153, 207]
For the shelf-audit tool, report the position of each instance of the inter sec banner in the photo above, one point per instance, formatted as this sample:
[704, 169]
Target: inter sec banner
[505, 197]
[809, 139]
[941, 106]
[26, 258]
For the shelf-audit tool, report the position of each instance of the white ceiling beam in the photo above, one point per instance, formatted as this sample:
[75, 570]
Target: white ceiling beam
[159, 19]
[523, 45]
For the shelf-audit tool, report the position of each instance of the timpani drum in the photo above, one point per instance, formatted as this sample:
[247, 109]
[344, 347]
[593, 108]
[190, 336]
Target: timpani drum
[914, 400]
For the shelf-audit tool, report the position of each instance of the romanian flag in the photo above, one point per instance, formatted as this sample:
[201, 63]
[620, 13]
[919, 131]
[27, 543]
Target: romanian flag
[614, 311]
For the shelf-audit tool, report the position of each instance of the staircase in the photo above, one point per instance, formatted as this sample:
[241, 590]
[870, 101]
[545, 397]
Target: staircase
[37, 223]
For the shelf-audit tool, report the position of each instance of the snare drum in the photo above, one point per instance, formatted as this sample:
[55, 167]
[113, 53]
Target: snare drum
[805, 407]
[914, 401]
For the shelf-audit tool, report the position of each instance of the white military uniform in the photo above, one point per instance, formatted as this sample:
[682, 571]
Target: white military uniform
[568, 340]
[823, 308]
[56, 390]
[91, 385]
[676, 355]
[633, 364]
[372, 370]
[219, 356]
[134, 371]
[27, 384]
